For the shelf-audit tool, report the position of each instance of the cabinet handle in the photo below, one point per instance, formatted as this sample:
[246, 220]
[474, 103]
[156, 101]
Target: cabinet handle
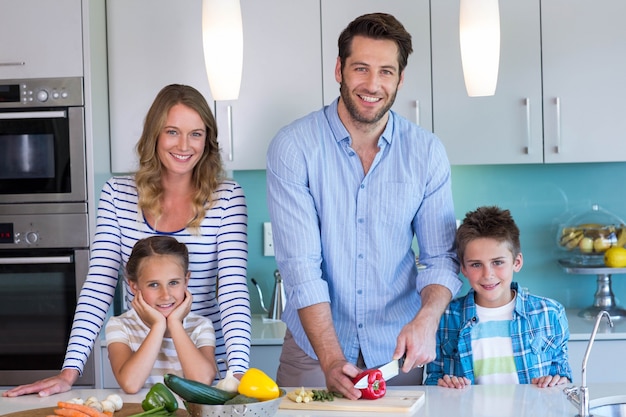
[34, 115]
[231, 140]
[417, 112]
[12, 64]
[29, 260]
[528, 136]
[559, 147]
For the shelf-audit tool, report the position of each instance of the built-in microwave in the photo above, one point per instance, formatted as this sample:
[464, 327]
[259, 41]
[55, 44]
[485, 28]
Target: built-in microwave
[42, 141]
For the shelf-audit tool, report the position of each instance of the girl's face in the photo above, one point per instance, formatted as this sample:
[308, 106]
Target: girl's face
[489, 265]
[181, 142]
[162, 282]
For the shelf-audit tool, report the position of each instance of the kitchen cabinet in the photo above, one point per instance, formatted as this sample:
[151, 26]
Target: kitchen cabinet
[414, 97]
[41, 39]
[152, 43]
[560, 88]
[502, 129]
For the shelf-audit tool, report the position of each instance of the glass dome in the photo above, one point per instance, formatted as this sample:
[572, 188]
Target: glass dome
[585, 237]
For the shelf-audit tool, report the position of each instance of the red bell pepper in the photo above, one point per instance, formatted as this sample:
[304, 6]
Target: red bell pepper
[376, 385]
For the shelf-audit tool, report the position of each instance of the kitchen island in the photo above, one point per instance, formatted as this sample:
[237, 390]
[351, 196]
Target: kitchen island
[474, 401]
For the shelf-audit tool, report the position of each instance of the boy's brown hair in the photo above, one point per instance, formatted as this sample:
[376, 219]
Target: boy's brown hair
[488, 222]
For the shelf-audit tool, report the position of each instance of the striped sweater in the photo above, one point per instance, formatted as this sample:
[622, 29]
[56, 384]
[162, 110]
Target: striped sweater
[220, 249]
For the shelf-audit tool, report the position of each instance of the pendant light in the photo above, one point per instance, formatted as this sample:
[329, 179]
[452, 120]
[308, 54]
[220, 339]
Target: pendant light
[222, 39]
[479, 30]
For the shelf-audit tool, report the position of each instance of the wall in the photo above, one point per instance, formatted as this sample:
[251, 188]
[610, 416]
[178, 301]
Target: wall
[539, 196]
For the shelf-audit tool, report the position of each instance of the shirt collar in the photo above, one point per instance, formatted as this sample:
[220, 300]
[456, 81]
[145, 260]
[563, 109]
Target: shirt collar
[341, 133]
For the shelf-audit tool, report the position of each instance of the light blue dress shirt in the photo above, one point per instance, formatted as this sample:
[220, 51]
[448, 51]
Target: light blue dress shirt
[344, 237]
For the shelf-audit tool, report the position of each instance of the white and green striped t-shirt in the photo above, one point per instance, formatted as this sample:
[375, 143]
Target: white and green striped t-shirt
[492, 348]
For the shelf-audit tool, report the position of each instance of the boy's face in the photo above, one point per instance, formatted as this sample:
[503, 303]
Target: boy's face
[489, 266]
[162, 282]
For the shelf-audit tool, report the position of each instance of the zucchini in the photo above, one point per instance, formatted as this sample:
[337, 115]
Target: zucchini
[197, 392]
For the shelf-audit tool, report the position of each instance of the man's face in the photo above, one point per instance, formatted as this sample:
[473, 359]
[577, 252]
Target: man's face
[370, 79]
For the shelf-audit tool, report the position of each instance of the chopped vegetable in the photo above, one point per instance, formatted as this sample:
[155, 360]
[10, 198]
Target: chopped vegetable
[376, 385]
[256, 384]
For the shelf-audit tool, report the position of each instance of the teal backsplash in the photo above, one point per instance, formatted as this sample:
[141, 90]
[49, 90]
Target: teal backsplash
[539, 197]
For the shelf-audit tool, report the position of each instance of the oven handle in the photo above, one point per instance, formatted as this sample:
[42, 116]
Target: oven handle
[25, 260]
[34, 115]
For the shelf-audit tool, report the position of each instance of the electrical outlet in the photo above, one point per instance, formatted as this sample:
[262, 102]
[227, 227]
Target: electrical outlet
[268, 241]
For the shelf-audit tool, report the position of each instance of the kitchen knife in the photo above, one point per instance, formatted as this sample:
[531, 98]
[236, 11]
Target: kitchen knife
[389, 370]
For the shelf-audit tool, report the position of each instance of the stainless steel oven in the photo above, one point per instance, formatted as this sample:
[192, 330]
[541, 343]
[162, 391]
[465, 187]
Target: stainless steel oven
[44, 258]
[42, 141]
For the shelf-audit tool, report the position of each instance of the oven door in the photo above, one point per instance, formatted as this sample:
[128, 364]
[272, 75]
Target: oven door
[42, 155]
[38, 292]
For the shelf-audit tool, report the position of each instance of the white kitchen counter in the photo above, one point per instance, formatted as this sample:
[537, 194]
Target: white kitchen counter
[267, 332]
[580, 328]
[475, 401]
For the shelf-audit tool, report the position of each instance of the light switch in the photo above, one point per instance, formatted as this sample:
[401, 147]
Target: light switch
[268, 241]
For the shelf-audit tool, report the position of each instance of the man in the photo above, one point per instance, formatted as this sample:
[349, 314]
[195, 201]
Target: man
[349, 186]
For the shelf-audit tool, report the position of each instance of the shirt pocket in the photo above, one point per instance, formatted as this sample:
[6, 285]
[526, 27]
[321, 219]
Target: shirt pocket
[400, 202]
[544, 345]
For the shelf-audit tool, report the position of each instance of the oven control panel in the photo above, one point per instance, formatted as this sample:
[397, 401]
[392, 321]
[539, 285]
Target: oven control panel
[67, 230]
[41, 92]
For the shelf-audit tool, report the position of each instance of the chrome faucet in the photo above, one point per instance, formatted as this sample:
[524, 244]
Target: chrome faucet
[579, 396]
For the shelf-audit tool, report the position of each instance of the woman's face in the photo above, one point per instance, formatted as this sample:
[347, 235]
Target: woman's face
[162, 282]
[181, 142]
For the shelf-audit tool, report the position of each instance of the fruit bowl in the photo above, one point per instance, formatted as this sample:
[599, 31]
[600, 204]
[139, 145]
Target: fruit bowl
[587, 236]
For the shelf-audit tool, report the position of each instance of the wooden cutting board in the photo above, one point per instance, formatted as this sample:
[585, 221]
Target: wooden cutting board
[127, 410]
[394, 401]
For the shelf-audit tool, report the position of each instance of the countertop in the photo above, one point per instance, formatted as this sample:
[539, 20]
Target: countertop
[580, 328]
[272, 332]
[474, 401]
[266, 331]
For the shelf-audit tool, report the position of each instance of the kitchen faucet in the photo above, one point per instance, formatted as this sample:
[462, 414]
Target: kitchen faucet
[579, 396]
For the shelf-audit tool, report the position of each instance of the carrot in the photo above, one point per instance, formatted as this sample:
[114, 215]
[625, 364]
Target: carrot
[66, 412]
[108, 413]
[91, 412]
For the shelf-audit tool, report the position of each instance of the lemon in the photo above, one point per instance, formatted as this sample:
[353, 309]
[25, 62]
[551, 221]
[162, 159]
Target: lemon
[615, 257]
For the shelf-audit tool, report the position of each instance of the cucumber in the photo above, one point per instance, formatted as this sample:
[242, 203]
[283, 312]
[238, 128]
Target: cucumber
[197, 392]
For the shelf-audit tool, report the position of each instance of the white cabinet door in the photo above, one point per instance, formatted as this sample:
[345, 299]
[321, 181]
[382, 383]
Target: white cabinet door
[502, 129]
[584, 64]
[41, 39]
[414, 97]
[153, 43]
[603, 364]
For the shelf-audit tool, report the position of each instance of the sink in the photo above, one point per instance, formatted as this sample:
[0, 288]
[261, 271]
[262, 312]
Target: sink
[614, 406]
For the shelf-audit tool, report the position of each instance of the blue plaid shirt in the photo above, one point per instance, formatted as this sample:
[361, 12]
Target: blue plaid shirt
[539, 333]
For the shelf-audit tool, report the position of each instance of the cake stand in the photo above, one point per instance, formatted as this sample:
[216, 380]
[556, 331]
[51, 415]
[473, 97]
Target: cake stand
[604, 299]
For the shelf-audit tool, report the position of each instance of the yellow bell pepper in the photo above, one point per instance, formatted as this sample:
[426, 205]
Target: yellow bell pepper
[256, 384]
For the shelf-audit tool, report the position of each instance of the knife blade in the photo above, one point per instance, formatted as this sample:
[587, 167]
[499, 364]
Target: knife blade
[389, 370]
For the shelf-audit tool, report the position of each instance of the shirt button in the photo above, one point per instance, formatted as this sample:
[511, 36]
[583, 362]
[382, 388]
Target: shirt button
[360, 325]
[359, 292]
[362, 186]
[360, 256]
[361, 220]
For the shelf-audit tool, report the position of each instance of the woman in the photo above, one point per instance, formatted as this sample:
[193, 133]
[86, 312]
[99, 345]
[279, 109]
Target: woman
[179, 191]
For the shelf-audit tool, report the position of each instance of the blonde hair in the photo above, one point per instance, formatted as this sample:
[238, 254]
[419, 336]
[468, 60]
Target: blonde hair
[208, 172]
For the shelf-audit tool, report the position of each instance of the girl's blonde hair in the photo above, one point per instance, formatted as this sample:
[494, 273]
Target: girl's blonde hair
[208, 172]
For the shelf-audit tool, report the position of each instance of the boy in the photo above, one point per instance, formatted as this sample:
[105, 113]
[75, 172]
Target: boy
[159, 334]
[498, 333]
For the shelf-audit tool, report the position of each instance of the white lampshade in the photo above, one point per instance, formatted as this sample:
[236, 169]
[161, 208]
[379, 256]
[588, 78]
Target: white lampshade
[222, 38]
[479, 29]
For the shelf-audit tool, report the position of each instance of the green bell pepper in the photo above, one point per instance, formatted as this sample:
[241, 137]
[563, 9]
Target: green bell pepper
[160, 396]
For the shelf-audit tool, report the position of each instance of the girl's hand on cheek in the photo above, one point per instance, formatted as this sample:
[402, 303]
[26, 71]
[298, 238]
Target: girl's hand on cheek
[180, 312]
[146, 313]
